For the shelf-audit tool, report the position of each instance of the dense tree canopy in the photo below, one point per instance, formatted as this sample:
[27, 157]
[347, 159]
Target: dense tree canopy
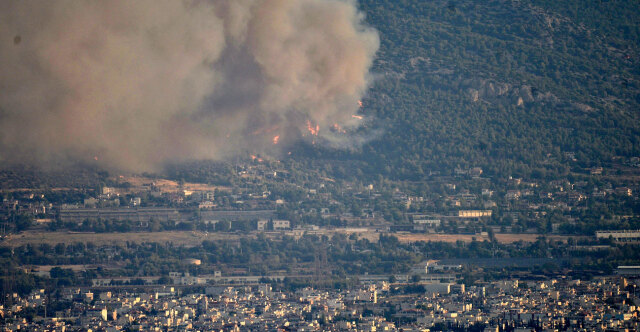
[510, 86]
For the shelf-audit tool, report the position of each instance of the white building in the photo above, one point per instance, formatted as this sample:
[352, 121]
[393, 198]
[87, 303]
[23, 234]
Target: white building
[281, 224]
[620, 236]
[437, 288]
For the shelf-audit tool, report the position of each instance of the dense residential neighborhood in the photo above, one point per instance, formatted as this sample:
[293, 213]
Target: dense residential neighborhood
[272, 252]
[609, 303]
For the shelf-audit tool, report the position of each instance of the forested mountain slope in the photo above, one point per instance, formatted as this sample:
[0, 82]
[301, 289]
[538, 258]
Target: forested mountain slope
[509, 86]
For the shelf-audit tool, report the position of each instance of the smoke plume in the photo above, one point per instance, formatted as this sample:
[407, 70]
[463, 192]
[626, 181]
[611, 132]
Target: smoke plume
[134, 84]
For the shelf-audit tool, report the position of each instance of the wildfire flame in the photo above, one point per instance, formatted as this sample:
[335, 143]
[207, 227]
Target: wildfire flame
[276, 139]
[359, 117]
[95, 158]
[360, 103]
[339, 129]
[313, 130]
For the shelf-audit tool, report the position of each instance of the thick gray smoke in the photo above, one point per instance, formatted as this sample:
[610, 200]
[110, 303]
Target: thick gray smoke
[134, 84]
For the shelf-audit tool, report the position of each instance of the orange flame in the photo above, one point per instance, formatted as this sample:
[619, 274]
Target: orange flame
[276, 139]
[359, 117]
[339, 129]
[313, 130]
[253, 157]
[95, 158]
[360, 103]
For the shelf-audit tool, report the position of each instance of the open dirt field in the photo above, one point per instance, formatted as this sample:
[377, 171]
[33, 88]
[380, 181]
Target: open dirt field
[192, 238]
[177, 238]
[373, 236]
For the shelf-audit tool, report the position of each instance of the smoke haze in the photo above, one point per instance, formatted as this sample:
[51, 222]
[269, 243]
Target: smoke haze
[135, 84]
